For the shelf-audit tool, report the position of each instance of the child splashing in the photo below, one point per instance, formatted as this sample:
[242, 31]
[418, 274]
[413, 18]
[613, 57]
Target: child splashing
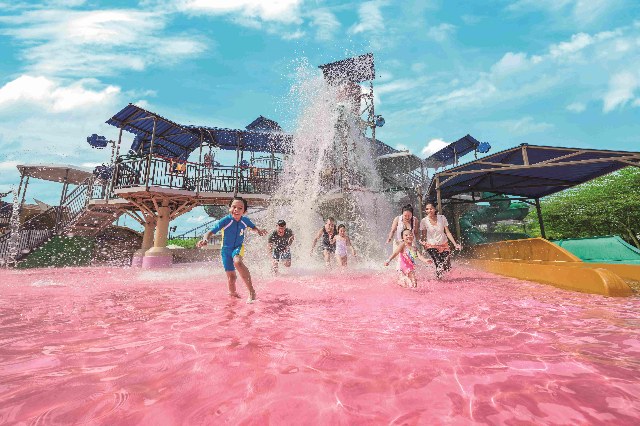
[342, 241]
[233, 227]
[408, 255]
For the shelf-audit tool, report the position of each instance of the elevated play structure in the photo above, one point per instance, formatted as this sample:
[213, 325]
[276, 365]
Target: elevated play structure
[525, 174]
[170, 168]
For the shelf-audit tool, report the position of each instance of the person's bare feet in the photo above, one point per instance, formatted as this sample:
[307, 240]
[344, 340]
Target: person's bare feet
[235, 294]
[252, 297]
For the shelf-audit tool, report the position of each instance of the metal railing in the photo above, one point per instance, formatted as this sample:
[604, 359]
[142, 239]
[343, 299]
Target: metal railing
[157, 171]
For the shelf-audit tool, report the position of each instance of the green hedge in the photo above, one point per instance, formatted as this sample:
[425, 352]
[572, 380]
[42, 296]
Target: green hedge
[184, 242]
[59, 252]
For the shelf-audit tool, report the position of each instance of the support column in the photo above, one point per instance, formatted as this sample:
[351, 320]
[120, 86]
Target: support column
[540, 221]
[159, 256]
[147, 241]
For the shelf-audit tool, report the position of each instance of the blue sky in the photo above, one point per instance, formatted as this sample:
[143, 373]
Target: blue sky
[550, 72]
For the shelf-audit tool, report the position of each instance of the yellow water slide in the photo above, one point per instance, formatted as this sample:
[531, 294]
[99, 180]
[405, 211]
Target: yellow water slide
[536, 259]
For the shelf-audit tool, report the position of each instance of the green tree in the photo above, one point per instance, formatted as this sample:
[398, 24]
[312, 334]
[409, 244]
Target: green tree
[604, 206]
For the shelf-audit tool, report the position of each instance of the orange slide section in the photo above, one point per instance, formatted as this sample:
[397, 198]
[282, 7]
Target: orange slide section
[536, 259]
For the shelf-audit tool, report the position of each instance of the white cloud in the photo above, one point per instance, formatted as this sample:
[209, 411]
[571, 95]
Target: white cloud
[441, 32]
[282, 11]
[433, 146]
[8, 165]
[580, 67]
[96, 43]
[581, 12]
[54, 96]
[326, 24]
[621, 90]
[576, 107]
[371, 19]
[510, 63]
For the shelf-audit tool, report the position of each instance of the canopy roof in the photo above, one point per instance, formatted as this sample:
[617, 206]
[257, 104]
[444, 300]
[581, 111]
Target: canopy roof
[452, 152]
[55, 172]
[263, 124]
[244, 140]
[169, 139]
[402, 161]
[530, 171]
[173, 140]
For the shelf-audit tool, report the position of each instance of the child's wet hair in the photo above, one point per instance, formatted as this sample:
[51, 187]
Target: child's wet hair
[342, 225]
[246, 205]
[406, 230]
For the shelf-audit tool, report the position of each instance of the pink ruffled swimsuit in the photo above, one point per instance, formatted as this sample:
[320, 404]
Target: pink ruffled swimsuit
[407, 261]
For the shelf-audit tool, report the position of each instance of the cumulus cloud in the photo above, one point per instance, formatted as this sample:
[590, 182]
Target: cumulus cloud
[53, 96]
[433, 146]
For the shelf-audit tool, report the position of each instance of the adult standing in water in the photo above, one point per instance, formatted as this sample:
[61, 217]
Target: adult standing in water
[405, 221]
[434, 229]
[327, 233]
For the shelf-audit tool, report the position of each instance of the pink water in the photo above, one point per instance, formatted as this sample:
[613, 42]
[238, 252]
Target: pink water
[121, 346]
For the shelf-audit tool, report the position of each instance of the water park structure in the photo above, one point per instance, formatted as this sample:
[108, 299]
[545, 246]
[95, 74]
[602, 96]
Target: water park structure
[171, 168]
[159, 342]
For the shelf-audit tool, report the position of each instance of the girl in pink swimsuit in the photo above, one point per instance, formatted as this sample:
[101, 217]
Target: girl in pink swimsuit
[407, 259]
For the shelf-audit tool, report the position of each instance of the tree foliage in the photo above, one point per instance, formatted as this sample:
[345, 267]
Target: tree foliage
[607, 205]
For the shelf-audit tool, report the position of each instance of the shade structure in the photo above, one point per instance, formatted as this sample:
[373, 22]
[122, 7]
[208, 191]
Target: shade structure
[170, 139]
[56, 172]
[530, 171]
[402, 161]
[244, 140]
[177, 141]
[452, 152]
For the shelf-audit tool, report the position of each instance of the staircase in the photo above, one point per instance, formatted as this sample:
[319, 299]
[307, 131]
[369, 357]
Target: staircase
[80, 213]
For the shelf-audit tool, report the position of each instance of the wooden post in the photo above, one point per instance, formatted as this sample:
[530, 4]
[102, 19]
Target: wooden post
[235, 187]
[540, 221]
[199, 169]
[63, 194]
[438, 194]
[149, 156]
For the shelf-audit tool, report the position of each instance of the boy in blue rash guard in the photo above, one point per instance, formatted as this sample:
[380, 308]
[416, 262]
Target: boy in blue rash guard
[233, 227]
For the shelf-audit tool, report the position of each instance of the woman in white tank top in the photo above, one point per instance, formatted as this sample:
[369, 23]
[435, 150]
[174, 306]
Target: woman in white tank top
[435, 232]
[405, 221]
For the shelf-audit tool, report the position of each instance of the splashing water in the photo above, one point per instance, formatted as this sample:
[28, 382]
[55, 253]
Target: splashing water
[331, 171]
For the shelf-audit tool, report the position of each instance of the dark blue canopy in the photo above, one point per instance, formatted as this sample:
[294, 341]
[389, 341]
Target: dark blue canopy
[452, 152]
[531, 171]
[173, 140]
[244, 140]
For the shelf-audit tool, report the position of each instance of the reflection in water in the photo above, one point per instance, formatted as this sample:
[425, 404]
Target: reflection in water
[130, 347]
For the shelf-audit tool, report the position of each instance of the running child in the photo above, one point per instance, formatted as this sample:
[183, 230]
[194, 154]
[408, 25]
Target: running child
[234, 227]
[342, 241]
[327, 232]
[280, 242]
[407, 260]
